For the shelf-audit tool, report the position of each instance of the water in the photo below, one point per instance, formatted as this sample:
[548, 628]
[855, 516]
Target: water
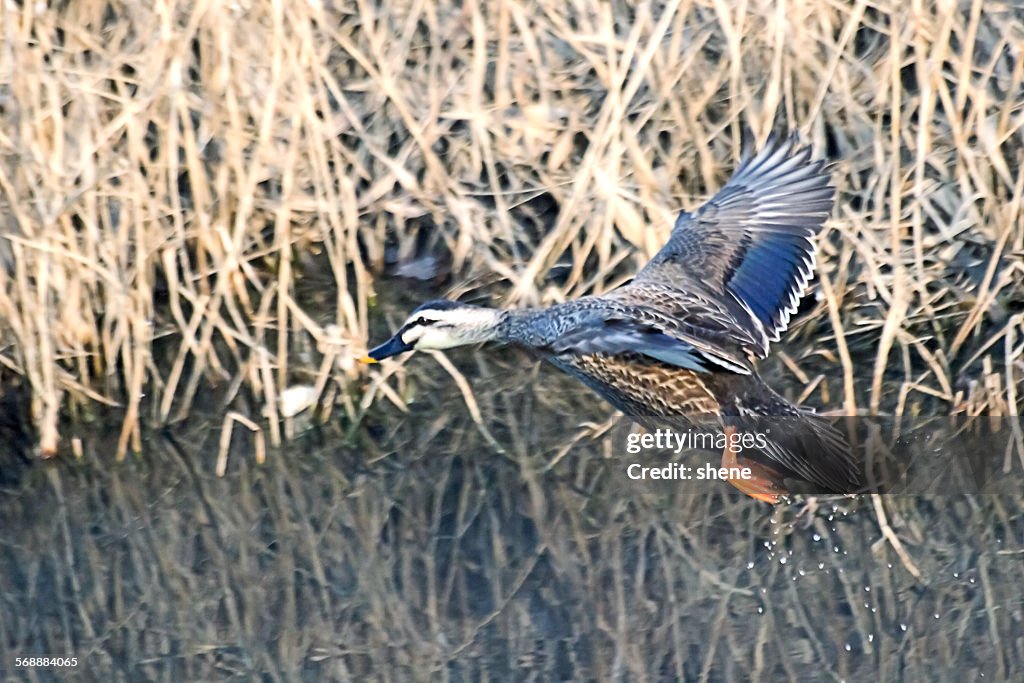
[413, 549]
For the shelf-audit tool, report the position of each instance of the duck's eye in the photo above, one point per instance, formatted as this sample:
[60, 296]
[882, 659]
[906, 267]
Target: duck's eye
[420, 321]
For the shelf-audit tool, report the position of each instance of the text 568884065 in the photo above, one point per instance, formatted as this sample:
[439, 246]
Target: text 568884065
[45, 662]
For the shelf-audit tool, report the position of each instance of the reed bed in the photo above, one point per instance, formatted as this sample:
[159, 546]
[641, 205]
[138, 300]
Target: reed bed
[172, 171]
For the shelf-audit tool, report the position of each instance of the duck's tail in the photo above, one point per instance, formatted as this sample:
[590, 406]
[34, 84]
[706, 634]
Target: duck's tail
[790, 439]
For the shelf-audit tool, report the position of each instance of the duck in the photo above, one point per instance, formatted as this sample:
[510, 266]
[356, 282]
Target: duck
[681, 339]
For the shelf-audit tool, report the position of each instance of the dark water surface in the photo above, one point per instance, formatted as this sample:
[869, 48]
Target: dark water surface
[412, 548]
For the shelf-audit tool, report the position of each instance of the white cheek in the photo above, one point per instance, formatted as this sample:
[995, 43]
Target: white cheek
[435, 338]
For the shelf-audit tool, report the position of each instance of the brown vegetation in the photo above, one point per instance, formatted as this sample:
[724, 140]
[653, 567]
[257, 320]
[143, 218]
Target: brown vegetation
[169, 172]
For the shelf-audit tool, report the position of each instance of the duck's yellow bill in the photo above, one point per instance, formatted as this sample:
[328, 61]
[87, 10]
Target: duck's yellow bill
[368, 360]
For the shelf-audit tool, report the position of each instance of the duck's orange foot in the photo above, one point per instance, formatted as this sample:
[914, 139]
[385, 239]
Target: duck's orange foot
[762, 482]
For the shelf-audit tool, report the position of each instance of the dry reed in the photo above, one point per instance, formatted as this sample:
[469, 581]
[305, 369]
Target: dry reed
[169, 171]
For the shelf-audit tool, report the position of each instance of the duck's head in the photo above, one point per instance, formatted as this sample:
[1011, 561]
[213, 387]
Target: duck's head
[439, 324]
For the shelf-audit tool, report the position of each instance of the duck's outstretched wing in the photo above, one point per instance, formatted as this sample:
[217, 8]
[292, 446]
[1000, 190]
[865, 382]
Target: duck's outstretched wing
[616, 336]
[751, 244]
[674, 327]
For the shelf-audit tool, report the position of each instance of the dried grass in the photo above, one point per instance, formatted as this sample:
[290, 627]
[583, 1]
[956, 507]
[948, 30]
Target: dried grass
[168, 172]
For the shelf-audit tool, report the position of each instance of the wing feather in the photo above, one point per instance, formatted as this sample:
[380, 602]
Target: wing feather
[752, 244]
[618, 335]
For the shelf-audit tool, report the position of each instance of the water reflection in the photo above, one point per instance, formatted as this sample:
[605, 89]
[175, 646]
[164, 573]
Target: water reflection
[414, 549]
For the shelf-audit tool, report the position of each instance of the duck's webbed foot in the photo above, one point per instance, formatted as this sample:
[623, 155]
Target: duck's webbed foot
[764, 483]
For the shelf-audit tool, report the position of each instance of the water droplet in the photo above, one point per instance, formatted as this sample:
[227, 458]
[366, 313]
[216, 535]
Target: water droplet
[816, 537]
[871, 637]
[867, 589]
[903, 627]
[782, 560]
[848, 648]
[750, 565]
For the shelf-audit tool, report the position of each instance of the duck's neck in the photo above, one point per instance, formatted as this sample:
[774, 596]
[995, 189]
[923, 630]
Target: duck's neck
[484, 325]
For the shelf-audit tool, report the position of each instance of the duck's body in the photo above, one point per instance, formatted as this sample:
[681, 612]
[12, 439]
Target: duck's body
[678, 341]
